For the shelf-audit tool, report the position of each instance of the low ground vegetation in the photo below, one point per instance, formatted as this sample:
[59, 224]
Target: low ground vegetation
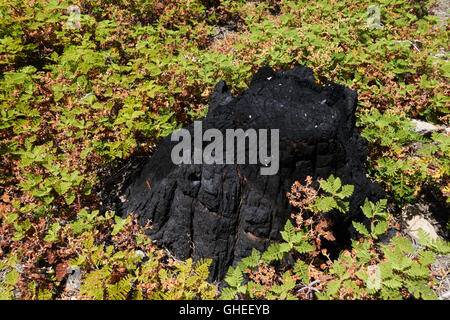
[80, 92]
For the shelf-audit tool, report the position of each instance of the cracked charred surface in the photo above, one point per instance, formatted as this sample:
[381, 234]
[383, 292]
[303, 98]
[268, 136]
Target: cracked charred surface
[223, 211]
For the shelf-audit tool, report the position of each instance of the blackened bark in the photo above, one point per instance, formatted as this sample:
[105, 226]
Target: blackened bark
[223, 211]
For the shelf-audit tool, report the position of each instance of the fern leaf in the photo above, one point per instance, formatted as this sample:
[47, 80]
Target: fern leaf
[392, 283]
[404, 244]
[234, 277]
[228, 293]
[253, 260]
[346, 191]
[426, 257]
[326, 204]
[272, 253]
[301, 269]
[380, 229]
[289, 232]
[333, 287]
[361, 228]
[304, 247]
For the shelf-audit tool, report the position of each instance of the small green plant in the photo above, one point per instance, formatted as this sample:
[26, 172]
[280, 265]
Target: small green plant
[335, 198]
[378, 217]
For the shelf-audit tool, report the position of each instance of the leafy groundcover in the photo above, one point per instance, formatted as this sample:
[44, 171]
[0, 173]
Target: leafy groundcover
[85, 87]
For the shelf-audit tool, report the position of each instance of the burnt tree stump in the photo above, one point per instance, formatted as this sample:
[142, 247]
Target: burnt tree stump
[222, 211]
